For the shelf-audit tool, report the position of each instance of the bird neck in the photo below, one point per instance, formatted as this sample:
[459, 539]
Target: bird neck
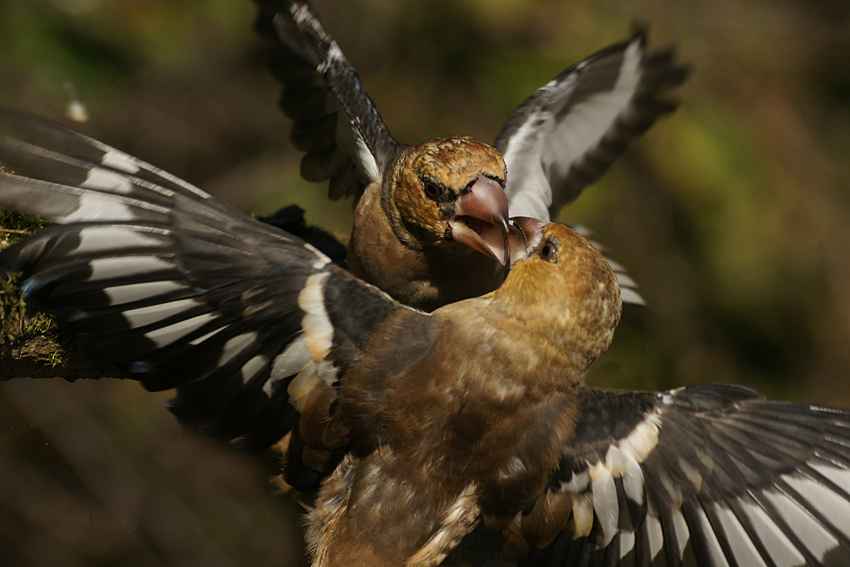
[534, 354]
[575, 325]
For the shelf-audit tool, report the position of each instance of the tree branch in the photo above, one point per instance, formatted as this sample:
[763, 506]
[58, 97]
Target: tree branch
[31, 345]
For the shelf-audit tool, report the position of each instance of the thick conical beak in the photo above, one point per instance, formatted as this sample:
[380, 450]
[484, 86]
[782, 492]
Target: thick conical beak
[481, 220]
[523, 235]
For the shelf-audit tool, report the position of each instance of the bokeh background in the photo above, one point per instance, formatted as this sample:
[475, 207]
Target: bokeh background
[733, 215]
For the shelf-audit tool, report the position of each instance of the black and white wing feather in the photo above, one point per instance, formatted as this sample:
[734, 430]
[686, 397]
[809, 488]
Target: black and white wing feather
[569, 132]
[336, 124]
[702, 476]
[176, 288]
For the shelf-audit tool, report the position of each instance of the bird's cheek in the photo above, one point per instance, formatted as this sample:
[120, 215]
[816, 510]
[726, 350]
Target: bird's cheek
[419, 215]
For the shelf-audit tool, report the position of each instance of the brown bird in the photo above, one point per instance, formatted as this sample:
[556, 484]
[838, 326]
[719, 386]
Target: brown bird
[453, 437]
[418, 234]
[407, 220]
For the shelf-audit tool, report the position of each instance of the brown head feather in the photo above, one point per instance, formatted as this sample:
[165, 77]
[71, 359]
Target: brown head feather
[452, 164]
[571, 296]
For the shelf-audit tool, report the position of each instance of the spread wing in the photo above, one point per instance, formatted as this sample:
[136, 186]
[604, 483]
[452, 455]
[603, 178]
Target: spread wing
[569, 132]
[705, 475]
[177, 289]
[336, 124]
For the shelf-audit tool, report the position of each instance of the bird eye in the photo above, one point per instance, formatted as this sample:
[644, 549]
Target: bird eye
[433, 190]
[549, 252]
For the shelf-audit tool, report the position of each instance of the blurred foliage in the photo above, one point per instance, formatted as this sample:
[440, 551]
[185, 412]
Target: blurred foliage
[733, 214]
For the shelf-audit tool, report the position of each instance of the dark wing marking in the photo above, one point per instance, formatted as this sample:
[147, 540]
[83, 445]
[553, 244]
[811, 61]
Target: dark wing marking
[706, 475]
[291, 219]
[569, 132]
[336, 124]
[176, 288]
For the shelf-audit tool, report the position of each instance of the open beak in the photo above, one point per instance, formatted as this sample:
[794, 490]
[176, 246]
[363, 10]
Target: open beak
[481, 220]
[524, 234]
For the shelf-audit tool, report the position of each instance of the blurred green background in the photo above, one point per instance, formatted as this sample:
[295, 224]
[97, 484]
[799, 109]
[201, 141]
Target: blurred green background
[733, 215]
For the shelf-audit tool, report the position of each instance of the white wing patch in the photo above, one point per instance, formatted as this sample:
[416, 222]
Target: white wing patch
[172, 333]
[780, 549]
[633, 482]
[631, 296]
[126, 267]
[680, 530]
[144, 316]
[544, 148]
[811, 532]
[96, 208]
[582, 514]
[578, 482]
[366, 159]
[119, 160]
[714, 550]
[202, 338]
[527, 190]
[103, 238]
[107, 180]
[351, 143]
[655, 536]
[605, 502]
[292, 360]
[288, 363]
[236, 346]
[583, 128]
[742, 547]
[833, 506]
[643, 438]
[622, 461]
[627, 542]
[253, 367]
[119, 295]
[318, 330]
[841, 478]
[694, 509]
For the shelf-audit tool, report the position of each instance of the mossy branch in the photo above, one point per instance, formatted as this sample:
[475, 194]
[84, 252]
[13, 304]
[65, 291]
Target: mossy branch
[31, 345]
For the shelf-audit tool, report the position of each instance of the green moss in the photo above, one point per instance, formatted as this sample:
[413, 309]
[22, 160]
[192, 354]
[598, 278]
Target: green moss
[27, 333]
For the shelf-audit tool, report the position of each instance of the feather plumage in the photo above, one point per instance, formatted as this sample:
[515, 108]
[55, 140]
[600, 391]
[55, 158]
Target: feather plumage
[427, 423]
[564, 137]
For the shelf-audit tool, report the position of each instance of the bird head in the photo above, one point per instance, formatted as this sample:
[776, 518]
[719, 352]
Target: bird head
[450, 191]
[561, 283]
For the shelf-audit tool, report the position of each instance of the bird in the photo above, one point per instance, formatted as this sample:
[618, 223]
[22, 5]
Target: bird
[405, 228]
[463, 436]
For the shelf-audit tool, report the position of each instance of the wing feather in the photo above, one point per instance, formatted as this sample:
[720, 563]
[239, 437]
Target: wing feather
[728, 478]
[336, 124]
[175, 288]
[570, 131]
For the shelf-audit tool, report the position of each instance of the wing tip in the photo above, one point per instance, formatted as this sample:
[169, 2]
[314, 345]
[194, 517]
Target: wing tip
[303, 33]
